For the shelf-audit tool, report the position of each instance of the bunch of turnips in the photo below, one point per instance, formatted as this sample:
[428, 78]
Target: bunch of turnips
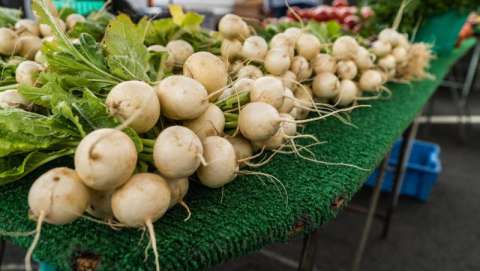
[141, 120]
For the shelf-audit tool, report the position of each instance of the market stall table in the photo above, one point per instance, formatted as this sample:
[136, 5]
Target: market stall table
[247, 214]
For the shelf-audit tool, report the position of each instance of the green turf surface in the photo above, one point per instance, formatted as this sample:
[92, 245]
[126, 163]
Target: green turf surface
[252, 213]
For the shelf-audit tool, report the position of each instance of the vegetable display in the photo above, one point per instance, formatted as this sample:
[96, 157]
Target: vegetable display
[142, 108]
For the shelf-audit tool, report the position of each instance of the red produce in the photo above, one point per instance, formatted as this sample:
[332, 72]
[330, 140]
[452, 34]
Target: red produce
[340, 3]
[366, 12]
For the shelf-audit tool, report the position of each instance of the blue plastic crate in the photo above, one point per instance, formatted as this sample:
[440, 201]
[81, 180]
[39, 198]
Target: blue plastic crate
[423, 169]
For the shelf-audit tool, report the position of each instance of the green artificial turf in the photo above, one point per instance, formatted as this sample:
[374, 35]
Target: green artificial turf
[253, 213]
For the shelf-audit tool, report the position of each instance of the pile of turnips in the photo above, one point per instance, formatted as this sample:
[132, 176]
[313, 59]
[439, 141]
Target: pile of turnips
[211, 116]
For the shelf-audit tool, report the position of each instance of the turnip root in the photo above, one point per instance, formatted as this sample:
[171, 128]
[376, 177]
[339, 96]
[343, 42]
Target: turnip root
[180, 50]
[27, 26]
[12, 99]
[243, 85]
[141, 201]
[46, 30]
[178, 152]
[381, 49]
[222, 165]
[286, 130]
[389, 35]
[308, 46]
[258, 121]
[135, 100]
[9, 44]
[419, 57]
[303, 103]
[29, 46]
[232, 26]
[289, 79]
[324, 63]
[403, 42]
[243, 148]
[57, 197]
[325, 85]
[387, 63]
[101, 204]
[288, 102]
[371, 80]
[301, 68]
[401, 56]
[210, 123]
[207, 69]
[363, 59]
[234, 67]
[348, 92]
[40, 58]
[179, 189]
[268, 89]
[27, 72]
[74, 19]
[281, 40]
[277, 61]
[293, 33]
[230, 48]
[182, 98]
[254, 48]
[250, 71]
[105, 159]
[346, 69]
[345, 48]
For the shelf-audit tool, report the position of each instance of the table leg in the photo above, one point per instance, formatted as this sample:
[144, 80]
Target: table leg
[309, 250]
[371, 214]
[467, 88]
[404, 155]
[2, 250]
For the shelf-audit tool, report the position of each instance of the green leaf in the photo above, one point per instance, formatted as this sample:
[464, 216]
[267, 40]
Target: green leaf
[160, 31]
[9, 16]
[127, 55]
[94, 25]
[23, 132]
[15, 167]
[92, 50]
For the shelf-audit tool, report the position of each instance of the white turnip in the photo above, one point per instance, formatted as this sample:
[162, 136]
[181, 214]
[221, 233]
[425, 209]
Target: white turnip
[364, 59]
[371, 80]
[348, 93]
[105, 159]
[288, 102]
[243, 148]
[268, 89]
[29, 46]
[27, 72]
[289, 79]
[325, 85]
[222, 165]
[230, 48]
[254, 48]
[209, 70]
[177, 152]
[277, 61]
[140, 202]
[401, 56]
[232, 26]
[46, 30]
[389, 35]
[345, 48]
[210, 123]
[74, 19]
[281, 40]
[28, 26]
[135, 101]
[380, 48]
[182, 98]
[258, 121]
[12, 99]
[324, 63]
[250, 71]
[180, 50]
[293, 33]
[301, 68]
[8, 42]
[387, 63]
[346, 69]
[307, 45]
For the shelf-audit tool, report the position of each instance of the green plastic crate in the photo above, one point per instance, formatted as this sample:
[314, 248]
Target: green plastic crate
[83, 7]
